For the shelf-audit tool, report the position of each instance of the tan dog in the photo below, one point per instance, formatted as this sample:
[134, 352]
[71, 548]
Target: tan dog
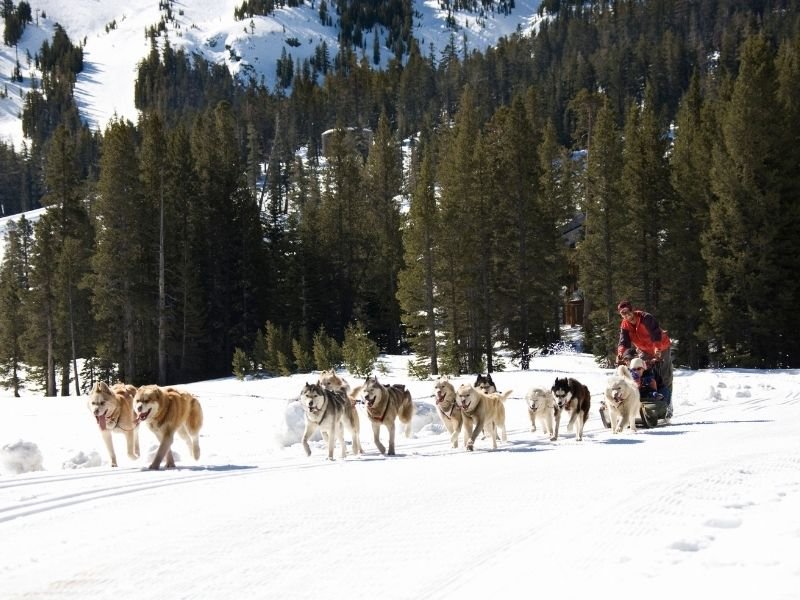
[543, 408]
[449, 411]
[330, 381]
[622, 400]
[112, 407]
[168, 411]
[385, 404]
[484, 411]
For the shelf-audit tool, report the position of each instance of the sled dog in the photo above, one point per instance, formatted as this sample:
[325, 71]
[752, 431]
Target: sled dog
[486, 411]
[385, 403]
[449, 412]
[112, 407]
[543, 408]
[324, 410]
[485, 383]
[332, 382]
[622, 400]
[168, 411]
[574, 397]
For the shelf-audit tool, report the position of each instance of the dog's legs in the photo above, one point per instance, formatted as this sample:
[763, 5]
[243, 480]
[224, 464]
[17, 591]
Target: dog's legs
[467, 427]
[164, 450]
[557, 416]
[354, 433]
[478, 429]
[572, 416]
[170, 462]
[307, 433]
[132, 443]
[578, 416]
[136, 450]
[340, 435]
[493, 432]
[376, 435]
[632, 418]
[455, 429]
[390, 425]
[109, 446]
[193, 442]
[331, 439]
[532, 416]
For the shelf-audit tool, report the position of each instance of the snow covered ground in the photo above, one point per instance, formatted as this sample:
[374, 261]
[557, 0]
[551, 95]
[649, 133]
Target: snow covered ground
[704, 507]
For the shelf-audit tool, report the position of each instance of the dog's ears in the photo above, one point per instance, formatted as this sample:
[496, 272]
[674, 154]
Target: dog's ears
[102, 386]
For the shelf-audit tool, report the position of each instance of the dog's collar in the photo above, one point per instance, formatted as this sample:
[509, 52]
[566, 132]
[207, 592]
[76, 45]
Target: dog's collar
[449, 414]
[371, 410]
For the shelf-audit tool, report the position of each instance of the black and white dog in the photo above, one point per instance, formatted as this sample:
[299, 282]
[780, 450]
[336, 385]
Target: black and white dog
[485, 383]
[574, 397]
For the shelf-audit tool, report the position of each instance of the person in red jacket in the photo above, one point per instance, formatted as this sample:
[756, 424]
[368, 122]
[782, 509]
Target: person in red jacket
[640, 329]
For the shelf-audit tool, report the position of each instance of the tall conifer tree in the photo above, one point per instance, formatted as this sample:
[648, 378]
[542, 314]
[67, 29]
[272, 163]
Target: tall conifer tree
[601, 252]
[116, 281]
[416, 282]
[740, 244]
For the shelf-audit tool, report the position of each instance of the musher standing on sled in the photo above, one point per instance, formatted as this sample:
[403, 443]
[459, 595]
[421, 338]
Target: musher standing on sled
[640, 329]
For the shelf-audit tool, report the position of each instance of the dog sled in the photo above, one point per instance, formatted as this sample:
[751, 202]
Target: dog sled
[654, 411]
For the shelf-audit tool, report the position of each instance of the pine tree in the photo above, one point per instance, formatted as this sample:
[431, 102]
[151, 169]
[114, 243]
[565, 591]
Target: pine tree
[787, 252]
[739, 246]
[118, 281]
[606, 221]
[681, 303]
[74, 238]
[39, 339]
[645, 188]
[462, 242]
[13, 292]
[152, 157]
[341, 235]
[186, 233]
[383, 184]
[416, 284]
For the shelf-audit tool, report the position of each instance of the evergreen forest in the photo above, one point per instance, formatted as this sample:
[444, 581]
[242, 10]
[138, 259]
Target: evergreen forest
[639, 149]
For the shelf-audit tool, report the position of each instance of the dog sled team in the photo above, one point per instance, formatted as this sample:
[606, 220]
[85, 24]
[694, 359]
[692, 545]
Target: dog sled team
[466, 411]
[331, 406]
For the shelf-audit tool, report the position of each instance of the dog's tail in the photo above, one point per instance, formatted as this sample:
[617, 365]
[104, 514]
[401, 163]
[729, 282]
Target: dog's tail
[624, 371]
[353, 395]
[505, 395]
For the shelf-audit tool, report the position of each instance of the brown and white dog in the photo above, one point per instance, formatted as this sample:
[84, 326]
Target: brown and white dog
[574, 397]
[112, 407]
[385, 404]
[623, 401]
[484, 411]
[543, 408]
[449, 411]
[168, 411]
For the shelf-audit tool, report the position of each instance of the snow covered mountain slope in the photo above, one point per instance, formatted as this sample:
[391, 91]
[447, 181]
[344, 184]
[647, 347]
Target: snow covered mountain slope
[113, 34]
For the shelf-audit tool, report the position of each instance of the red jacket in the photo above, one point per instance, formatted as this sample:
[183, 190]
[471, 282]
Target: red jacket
[644, 333]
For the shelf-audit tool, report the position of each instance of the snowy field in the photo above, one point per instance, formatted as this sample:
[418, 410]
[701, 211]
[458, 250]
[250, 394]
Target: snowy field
[704, 507]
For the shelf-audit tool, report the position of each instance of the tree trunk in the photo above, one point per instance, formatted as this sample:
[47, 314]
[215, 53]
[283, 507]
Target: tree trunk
[162, 302]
